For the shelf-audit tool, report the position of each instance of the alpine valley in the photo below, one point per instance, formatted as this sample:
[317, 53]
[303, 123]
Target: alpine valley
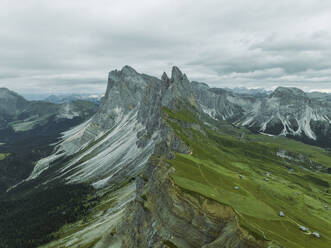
[166, 162]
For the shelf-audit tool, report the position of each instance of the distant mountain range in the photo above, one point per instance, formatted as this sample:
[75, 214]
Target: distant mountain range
[285, 111]
[73, 97]
[260, 92]
[22, 115]
[319, 95]
[243, 90]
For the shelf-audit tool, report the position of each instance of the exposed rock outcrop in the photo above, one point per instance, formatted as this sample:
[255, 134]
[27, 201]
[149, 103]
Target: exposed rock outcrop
[163, 215]
[118, 140]
[286, 111]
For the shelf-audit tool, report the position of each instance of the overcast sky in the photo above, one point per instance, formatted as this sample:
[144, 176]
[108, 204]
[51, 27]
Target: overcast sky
[66, 46]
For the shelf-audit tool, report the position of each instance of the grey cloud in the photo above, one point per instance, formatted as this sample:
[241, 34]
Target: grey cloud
[297, 43]
[63, 46]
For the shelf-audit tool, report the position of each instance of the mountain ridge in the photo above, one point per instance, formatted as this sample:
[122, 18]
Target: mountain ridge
[285, 111]
[15, 108]
[172, 164]
[122, 109]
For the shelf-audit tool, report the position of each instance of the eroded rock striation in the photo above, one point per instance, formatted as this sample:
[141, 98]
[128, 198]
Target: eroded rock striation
[163, 215]
[286, 111]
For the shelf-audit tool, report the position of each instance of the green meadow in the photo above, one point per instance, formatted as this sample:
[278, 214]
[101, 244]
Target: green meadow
[243, 170]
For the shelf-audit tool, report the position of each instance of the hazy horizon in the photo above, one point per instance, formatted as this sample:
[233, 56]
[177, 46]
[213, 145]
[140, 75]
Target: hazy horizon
[52, 47]
[44, 95]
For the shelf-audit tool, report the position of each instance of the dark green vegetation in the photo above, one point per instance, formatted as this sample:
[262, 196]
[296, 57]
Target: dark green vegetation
[27, 128]
[29, 214]
[258, 176]
[27, 147]
[29, 219]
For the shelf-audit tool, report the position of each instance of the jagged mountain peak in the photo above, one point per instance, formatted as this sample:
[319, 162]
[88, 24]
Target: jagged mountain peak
[124, 86]
[128, 70]
[176, 74]
[179, 88]
[127, 88]
[164, 77]
[129, 120]
[129, 77]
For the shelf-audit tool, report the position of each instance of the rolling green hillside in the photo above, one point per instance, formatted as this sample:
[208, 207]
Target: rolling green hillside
[258, 176]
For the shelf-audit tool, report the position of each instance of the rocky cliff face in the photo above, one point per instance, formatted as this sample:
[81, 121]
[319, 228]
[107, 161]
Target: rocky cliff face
[286, 111]
[163, 215]
[118, 140]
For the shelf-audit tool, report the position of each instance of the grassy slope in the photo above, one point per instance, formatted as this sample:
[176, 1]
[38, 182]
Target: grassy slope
[218, 159]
